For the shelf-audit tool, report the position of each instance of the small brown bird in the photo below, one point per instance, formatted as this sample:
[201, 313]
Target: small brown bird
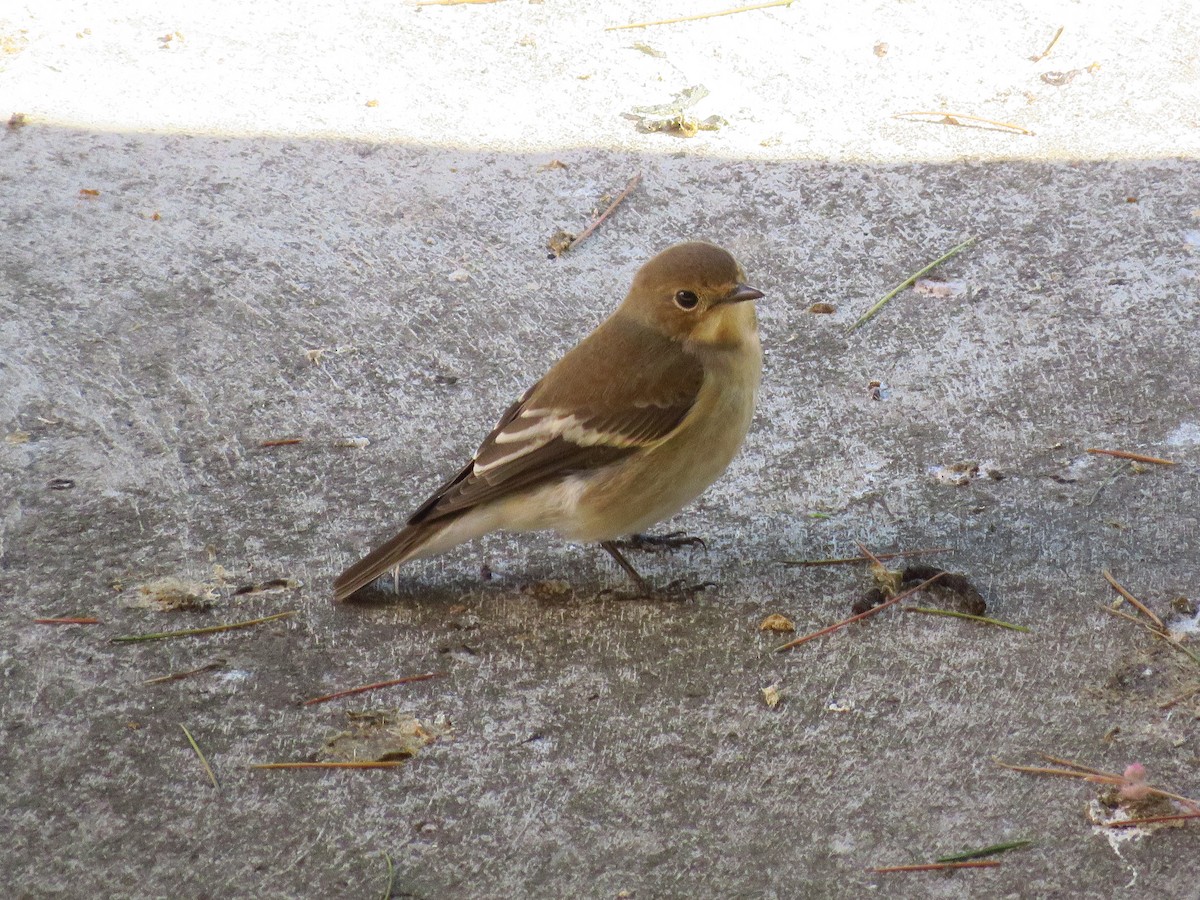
[625, 430]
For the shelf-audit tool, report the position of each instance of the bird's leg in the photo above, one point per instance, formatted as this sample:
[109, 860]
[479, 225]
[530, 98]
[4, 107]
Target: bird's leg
[679, 589]
[661, 543]
[611, 548]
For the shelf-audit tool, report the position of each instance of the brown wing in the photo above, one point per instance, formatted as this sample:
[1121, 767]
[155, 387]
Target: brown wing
[593, 408]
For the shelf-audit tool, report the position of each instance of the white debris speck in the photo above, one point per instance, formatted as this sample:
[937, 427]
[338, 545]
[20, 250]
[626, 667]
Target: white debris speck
[1187, 434]
[1186, 626]
[1079, 466]
[840, 706]
[234, 675]
[1192, 237]
[964, 472]
[1100, 816]
[459, 275]
[840, 846]
[940, 289]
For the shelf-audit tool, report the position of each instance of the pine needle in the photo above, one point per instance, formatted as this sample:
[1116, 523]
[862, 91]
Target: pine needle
[910, 280]
[1136, 457]
[985, 851]
[349, 692]
[391, 878]
[1137, 604]
[951, 118]
[1053, 41]
[711, 15]
[1149, 820]
[200, 753]
[930, 611]
[938, 866]
[595, 223]
[188, 632]
[870, 612]
[385, 764]
[847, 560]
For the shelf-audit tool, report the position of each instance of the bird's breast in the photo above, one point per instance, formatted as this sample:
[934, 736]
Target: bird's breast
[654, 484]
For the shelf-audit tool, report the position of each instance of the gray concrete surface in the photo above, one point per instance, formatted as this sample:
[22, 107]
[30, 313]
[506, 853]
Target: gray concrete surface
[253, 208]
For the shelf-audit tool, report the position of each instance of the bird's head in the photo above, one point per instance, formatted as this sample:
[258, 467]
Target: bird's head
[694, 293]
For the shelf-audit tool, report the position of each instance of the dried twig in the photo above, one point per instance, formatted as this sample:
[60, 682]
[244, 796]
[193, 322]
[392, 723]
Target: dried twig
[985, 851]
[579, 238]
[1049, 47]
[385, 764]
[938, 867]
[281, 442]
[948, 118]
[179, 676]
[870, 612]
[1136, 457]
[930, 611]
[846, 560]
[370, 687]
[187, 632]
[79, 620]
[204, 762]
[911, 279]
[711, 15]
[1138, 605]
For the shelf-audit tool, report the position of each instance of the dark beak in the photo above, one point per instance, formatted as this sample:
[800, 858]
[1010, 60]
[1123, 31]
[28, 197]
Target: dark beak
[741, 293]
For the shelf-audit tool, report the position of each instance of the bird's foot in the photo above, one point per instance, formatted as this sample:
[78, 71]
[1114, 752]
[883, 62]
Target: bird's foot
[676, 590]
[681, 589]
[661, 543]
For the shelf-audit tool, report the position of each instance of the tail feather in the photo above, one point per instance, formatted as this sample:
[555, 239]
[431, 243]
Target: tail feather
[387, 556]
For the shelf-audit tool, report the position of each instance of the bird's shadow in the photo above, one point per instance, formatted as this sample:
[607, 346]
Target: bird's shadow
[411, 592]
[387, 593]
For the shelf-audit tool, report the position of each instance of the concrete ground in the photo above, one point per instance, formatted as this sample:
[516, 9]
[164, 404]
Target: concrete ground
[228, 226]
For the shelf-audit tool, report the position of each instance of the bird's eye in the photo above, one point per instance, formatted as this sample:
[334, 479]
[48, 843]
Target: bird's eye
[686, 300]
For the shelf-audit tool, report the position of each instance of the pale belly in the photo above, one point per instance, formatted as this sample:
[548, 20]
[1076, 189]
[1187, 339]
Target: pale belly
[637, 494]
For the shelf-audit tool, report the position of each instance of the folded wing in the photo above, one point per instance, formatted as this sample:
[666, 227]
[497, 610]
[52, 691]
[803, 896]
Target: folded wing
[582, 416]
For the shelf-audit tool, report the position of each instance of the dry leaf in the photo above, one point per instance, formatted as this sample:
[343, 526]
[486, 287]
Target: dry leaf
[777, 623]
[382, 736]
[170, 593]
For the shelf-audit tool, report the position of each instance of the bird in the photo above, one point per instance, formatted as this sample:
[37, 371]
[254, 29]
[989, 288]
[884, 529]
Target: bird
[626, 429]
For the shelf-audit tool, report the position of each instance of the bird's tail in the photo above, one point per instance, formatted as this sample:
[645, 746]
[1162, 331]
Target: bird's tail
[403, 547]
